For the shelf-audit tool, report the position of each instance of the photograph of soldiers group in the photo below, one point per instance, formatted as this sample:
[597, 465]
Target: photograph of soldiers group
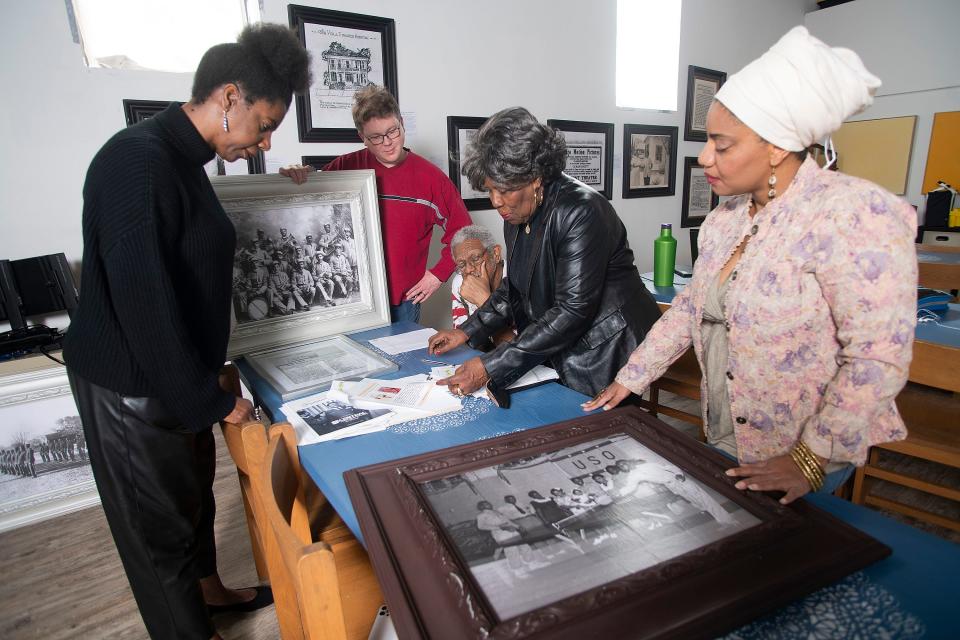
[541, 529]
[307, 260]
[42, 456]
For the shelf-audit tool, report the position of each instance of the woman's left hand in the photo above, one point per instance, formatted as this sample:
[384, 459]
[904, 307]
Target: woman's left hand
[297, 172]
[779, 473]
[468, 377]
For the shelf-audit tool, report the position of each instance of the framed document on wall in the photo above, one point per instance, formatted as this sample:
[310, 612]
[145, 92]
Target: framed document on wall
[698, 198]
[649, 161]
[589, 152]
[702, 86]
[460, 133]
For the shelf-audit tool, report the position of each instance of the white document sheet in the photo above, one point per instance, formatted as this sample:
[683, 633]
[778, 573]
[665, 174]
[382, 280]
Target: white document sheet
[404, 342]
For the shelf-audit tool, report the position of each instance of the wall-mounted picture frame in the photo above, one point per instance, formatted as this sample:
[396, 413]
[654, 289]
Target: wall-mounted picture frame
[702, 86]
[589, 152]
[649, 160]
[698, 198]
[309, 258]
[317, 162]
[582, 529]
[135, 111]
[460, 133]
[348, 51]
[45, 468]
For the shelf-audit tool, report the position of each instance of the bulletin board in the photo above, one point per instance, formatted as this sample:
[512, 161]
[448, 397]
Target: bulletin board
[877, 150]
[943, 156]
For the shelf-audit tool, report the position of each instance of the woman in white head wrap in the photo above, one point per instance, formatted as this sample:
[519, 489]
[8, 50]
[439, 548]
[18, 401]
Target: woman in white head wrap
[802, 305]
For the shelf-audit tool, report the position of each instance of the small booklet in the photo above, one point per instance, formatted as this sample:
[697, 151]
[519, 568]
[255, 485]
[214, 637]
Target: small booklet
[399, 393]
[331, 415]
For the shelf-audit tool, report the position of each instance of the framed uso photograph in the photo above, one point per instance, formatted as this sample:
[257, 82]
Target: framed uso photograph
[649, 160]
[698, 198]
[135, 111]
[584, 529]
[589, 152]
[702, 86]
[309, 258]
[348, 51]
[460, 133]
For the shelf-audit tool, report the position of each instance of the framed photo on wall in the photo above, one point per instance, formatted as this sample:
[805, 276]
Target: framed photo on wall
[46, 469]
[702, 86]
[348, 51]
[309, 258]
[649, 160]
[317, 162]
[460, 133]
[589, 152]
[138, 110]
[582, 529]
[698, 198]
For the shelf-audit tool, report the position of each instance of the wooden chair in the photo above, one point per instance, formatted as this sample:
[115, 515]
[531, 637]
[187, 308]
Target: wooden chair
[321, 590]
[682, 379]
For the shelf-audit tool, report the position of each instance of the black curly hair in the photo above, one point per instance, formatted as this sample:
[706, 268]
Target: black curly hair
[267, 62]
[513, 149]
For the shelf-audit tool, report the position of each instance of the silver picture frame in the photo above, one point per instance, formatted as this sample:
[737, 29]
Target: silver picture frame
[299, 370]
[276, 220]
[55, 477]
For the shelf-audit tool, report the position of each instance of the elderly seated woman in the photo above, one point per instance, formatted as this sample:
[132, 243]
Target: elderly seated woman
[802, 306]
[573, 292]
[479, 271]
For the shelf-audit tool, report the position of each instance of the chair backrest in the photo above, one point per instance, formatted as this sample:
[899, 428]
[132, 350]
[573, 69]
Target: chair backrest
[693, 245]
[320, 590]
[939, 274]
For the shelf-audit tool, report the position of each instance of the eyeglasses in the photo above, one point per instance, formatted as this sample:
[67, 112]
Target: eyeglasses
[473, 261]
[391, 134]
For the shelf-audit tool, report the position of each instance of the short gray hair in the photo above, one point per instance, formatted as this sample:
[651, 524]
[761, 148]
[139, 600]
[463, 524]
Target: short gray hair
[513, 149]
[474, 232]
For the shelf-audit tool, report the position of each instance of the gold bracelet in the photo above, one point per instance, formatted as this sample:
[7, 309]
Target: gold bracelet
[811, 457]
[811, 472]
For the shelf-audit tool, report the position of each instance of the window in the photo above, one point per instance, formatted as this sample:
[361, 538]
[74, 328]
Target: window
[648, 53]
[167, 35]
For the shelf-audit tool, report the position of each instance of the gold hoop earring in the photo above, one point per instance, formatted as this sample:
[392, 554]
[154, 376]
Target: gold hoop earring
[772, 182]
[538, 196]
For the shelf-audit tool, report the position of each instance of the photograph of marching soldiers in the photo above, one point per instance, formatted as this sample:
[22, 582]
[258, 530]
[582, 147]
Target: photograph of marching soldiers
[42, 457]
[540, 529]
[291, 261]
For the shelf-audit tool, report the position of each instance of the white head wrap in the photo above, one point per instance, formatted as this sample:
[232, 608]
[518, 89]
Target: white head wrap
[799, 91]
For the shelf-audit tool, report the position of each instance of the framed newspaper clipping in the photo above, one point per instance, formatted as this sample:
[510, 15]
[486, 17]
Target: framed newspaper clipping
[589, 152]
[309, 258]
[702, 86]
[612, 525]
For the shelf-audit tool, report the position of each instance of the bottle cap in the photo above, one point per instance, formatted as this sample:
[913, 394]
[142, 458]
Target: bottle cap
[666, 225]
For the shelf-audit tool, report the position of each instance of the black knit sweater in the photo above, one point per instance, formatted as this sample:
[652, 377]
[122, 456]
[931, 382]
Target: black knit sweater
[154, 314]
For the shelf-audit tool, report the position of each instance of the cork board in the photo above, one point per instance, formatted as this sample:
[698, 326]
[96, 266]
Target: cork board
[943, 156]
[877, 150]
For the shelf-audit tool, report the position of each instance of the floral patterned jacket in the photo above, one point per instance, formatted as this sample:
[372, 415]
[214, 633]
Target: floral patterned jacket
[821, 311]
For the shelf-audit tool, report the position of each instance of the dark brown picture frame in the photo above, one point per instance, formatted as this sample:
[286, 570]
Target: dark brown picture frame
[317, 162]
[135, 111]
[717, 78]
[669, 164]
[604, 128]
[431, 592]
[456, 124]
[300, 17]
[686, 220]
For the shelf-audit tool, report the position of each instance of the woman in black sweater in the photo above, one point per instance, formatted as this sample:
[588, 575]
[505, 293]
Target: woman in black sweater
[146, 345]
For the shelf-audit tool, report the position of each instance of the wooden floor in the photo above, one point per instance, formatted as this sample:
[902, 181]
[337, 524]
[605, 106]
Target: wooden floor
[64, 578]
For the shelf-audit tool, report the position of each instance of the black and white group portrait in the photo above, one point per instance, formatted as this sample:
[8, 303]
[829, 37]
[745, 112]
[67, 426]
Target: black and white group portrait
[539, 529]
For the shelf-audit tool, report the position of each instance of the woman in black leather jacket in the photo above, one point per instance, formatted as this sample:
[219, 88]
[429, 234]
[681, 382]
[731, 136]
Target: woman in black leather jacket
[572, 292]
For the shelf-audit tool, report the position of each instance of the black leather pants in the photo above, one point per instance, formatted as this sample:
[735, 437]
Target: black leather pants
[155, 480]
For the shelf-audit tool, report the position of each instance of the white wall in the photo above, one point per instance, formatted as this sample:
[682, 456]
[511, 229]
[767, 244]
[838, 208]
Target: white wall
[555, 57]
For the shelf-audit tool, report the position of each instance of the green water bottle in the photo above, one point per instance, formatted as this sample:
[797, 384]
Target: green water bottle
[664, 256]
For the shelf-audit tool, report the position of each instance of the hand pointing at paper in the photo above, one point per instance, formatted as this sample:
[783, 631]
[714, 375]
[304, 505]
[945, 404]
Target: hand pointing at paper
[468, 377]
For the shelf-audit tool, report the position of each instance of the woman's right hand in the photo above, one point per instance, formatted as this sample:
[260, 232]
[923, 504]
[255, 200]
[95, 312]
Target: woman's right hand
[446, 340]
[242, 412]
[609, 397]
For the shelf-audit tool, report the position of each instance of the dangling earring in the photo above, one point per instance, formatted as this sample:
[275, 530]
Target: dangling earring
[772, 182]
[539, 196]
[226, 125]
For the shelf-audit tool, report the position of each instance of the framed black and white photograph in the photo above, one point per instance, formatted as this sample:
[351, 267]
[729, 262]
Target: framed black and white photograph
[460, 133]
[649, 160]
[582, 529]
[317, 162]
[45, 469]
[135, 111]
[702, 86]
[698, 198]
[309, 258]
[302, 369]
[589, 152]
[348, 51]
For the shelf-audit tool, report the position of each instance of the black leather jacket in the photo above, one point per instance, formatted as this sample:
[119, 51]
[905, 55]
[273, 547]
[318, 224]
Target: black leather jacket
[587, 309]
